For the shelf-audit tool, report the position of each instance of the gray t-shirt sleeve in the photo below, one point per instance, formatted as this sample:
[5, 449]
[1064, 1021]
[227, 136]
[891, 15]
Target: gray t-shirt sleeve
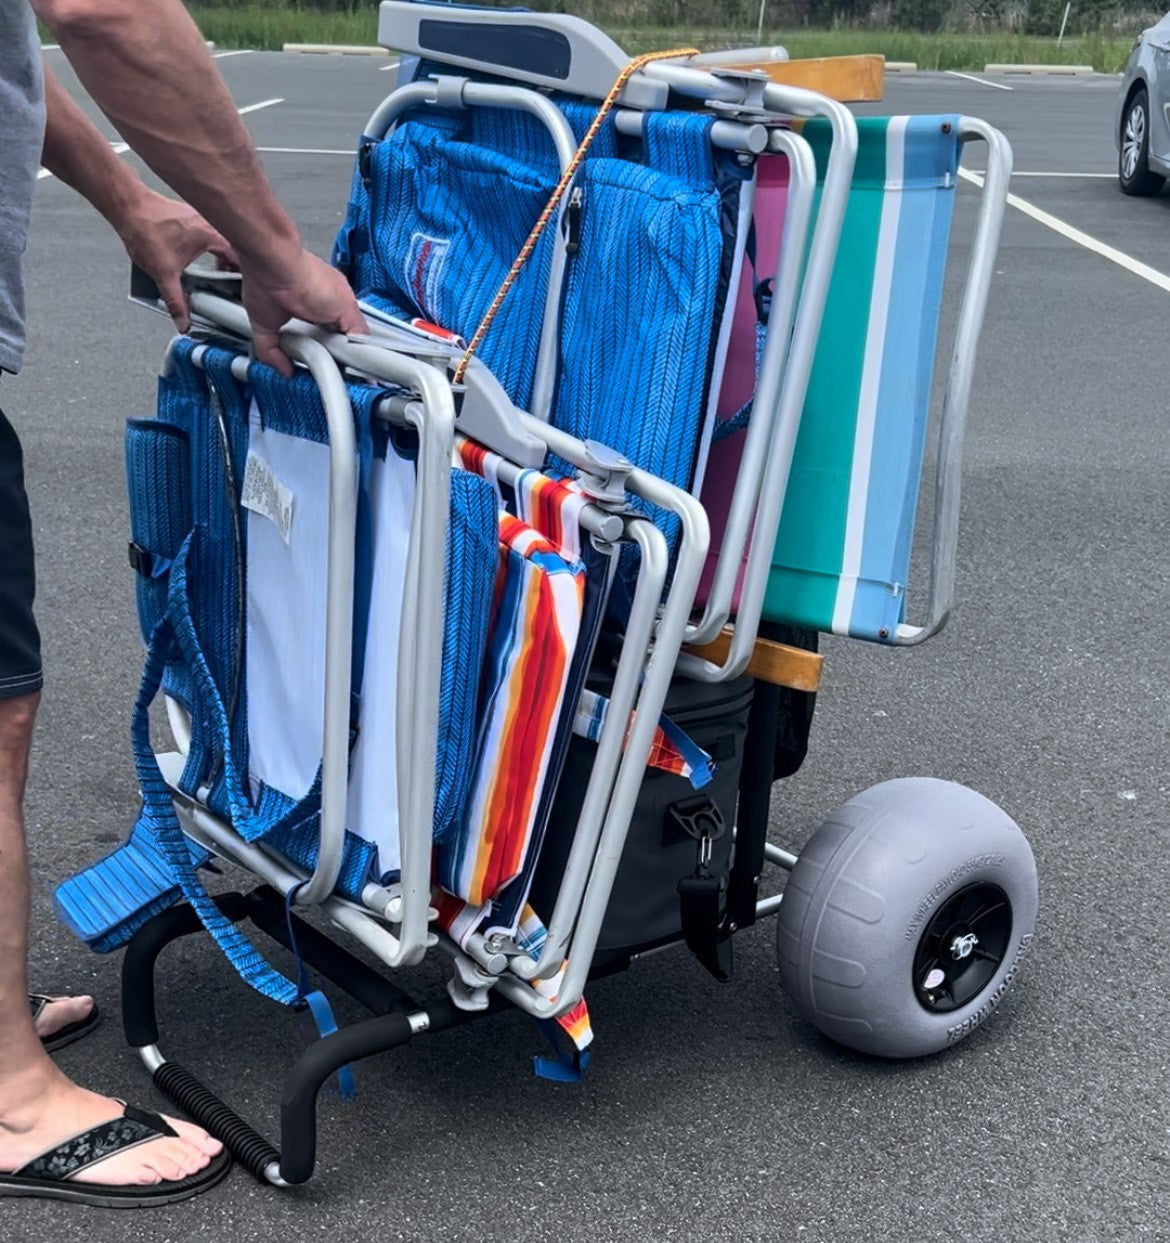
[22, 107]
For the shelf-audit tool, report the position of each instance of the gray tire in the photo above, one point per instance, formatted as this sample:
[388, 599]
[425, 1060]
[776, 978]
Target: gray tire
[906, 917]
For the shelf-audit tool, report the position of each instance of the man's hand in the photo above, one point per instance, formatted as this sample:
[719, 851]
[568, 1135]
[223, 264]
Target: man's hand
[162, 237]
[302, 287]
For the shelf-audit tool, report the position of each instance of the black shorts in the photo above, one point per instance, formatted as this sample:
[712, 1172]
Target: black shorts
[20, 642]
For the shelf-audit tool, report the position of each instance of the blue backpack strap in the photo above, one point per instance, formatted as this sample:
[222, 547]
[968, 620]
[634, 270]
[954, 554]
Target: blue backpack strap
[175, 636]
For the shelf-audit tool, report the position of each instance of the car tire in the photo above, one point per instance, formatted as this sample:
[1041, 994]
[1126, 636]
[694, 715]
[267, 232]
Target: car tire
[907, 917]
[1133, 148]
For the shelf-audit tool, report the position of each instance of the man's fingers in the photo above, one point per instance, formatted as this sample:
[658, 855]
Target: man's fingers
[226, 257]
[266, 347]
[352, 321]
[175, 300]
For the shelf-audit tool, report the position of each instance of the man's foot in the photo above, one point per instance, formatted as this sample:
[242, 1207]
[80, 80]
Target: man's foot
[60, 1019]
[36, 1121]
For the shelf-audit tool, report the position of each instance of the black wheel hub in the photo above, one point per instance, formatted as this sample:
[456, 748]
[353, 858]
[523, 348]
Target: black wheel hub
[962, 947]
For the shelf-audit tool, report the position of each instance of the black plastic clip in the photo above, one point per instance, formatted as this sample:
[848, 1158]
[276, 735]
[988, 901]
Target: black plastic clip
[701, 819]
[146, 563]
[763, 295]
[702, 897]
[365, 155]
[573, 222]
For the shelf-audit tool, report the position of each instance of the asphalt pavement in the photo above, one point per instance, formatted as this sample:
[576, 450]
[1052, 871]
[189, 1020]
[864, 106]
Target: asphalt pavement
[711, 1112]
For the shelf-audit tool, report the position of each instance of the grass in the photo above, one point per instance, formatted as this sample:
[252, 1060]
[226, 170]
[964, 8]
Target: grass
[1107, 54]
[268, 27]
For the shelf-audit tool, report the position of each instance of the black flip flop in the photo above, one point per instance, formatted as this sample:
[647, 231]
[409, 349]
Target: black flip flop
[66, 1035]
[49, 1175]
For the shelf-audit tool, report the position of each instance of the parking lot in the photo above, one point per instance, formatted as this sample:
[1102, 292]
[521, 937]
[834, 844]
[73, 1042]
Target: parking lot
[710, 1112]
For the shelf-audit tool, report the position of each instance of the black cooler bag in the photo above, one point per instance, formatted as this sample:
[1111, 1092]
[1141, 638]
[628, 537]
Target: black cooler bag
[670, 816]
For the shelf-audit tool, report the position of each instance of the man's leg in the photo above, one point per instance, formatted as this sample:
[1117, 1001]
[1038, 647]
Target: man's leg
[39, 1106]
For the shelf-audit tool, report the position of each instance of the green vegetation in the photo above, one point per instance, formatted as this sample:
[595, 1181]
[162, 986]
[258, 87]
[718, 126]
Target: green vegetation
[269, 26]
[941, 50]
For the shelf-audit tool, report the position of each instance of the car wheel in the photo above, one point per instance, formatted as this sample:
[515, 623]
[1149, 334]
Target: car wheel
[1133, 169]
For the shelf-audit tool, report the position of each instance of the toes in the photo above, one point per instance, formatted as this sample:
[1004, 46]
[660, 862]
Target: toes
[196, 1136]
[62, 1011]
[167, 1162]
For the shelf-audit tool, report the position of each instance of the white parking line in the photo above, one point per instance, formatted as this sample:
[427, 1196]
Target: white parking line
[1023, 172]
[243, 51]
[264, 103]
[999, 86]
[120, 148]
[1073, 175]
[386, 68]
[1147, 273]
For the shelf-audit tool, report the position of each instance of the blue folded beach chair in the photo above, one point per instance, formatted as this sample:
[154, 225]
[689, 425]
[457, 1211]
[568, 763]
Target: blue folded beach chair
[226, 482]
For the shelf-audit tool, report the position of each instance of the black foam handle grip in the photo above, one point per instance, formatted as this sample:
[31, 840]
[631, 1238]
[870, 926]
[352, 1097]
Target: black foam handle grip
[203, 1107]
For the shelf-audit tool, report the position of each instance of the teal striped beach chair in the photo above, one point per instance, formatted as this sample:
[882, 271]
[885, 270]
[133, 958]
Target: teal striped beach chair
[841, 560]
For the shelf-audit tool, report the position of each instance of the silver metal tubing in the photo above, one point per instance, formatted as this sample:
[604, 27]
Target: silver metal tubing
[593, 519]
[727, 135]
[801, 351]
[421, 633]
[695, 529]
[272, 1174]
[648, 590]
[768, 906]
[694, 83]
[690, 557]
[338, 612]
[475, 94]
[490, 960]
[691, 553]
[382, 902]
[208, 830]
[782, 858]
[953, 420]
[152, 1059]
[759, 439]
[738, 56]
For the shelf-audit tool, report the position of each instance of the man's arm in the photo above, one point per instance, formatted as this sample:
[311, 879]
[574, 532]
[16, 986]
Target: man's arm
[149, 70]
[160, 235]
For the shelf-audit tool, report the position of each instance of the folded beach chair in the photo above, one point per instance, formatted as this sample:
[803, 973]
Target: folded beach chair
[841, 559]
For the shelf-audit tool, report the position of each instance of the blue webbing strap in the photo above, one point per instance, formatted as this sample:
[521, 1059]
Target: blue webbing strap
[175, 635]
[313, 999]
[743, 416]
[250, 823]
[568, 1065]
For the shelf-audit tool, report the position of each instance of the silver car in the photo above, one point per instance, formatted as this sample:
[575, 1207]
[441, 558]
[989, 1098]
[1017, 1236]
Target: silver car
[1143, 123]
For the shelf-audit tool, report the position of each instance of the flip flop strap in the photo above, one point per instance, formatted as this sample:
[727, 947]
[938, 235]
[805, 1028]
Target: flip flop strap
[37, 1002]
[134, 1128]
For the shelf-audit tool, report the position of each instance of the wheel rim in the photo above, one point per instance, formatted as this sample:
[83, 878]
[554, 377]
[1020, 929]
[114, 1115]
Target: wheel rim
[1132, 139]
[962, 947]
